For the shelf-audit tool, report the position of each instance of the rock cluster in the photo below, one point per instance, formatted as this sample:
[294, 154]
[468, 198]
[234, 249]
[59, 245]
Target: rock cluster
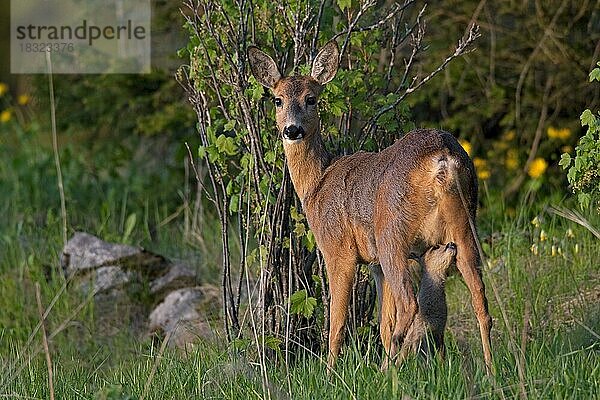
[139, 291]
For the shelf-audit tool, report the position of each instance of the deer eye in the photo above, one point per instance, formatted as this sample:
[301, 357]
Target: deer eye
[311, 100]
[278, 102]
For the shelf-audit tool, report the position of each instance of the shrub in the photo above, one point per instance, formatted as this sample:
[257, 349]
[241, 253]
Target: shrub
[584, 169]
[363, 108]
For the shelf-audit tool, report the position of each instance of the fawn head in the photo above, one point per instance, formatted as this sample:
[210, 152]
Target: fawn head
[296, 97]
[440, 258]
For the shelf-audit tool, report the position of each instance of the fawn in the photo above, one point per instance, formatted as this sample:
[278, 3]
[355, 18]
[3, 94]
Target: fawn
[427, 330]
[375, 207]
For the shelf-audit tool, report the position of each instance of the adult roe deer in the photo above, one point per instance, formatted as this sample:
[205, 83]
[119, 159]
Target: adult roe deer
[375, 207]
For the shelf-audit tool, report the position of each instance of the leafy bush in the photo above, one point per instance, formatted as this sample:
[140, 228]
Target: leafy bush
[362, 108]
[584, 169]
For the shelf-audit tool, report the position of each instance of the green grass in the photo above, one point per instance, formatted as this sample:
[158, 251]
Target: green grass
[546, 341]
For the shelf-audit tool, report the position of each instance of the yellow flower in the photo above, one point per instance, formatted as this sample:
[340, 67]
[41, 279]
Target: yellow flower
[512, 160]
[23, 99]
[479, 162]
[3, 89]
[535, 222]
[555, 133]
[484, 174]
[543, 236]
[567, 149]
[483, 171]
[509, 135]
[466, 145]
[537, 168]
[5, 116]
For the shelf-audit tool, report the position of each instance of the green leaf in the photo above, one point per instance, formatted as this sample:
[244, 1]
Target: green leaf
[272, 342]
[230, 125]
[565, 160]
[226, 145]
[302, 304]
[201, 151]
[300, 229]
[296, 216]
[595, 75]
[129, 225]
[588, 118]
[233, 203]
[344, 4]
[584, 200]
[310, 241]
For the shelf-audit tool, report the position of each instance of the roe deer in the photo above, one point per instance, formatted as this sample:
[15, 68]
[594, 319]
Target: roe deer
[375, 207]
[427, 330]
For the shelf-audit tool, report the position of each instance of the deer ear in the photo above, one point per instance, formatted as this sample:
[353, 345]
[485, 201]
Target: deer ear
[326, 62]
[263, 67]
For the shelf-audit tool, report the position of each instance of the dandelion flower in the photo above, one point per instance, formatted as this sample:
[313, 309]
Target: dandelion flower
[512, 160]
[509, 135]
[3, 89]
[5, 116]
[23, 99]
[552, 132]
[483, 171]
[556, 133]
[537, 168]
[484, 174]
[466, 145]
[479, 162]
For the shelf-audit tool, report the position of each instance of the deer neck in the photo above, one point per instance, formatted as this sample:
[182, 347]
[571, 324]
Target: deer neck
[307, 161]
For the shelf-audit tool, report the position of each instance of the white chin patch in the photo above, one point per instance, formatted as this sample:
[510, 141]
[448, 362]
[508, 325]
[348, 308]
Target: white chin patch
[289, 141]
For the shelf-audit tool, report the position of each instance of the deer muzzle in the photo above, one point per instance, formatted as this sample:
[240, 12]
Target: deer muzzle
[293, 132]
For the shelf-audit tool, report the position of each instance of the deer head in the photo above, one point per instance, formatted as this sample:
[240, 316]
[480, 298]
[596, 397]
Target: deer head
[296, 97]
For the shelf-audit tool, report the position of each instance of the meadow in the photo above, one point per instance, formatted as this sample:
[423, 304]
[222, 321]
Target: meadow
[541, 273]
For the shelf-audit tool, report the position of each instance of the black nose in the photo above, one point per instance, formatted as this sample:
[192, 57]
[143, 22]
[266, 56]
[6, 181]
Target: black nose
[451, 246]
[293, 132]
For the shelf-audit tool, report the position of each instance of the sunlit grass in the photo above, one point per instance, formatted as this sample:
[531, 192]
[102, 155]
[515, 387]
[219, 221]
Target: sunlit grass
[543, 268]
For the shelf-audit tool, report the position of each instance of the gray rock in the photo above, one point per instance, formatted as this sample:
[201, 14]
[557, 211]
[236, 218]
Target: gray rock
[84, 253]
[127, 280]
[183, 315]
[178, 276]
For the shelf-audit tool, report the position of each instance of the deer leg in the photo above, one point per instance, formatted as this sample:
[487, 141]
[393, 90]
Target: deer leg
[387, 323]
[397, 275]
[467, 262]
[387, 313]
[340, 274]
